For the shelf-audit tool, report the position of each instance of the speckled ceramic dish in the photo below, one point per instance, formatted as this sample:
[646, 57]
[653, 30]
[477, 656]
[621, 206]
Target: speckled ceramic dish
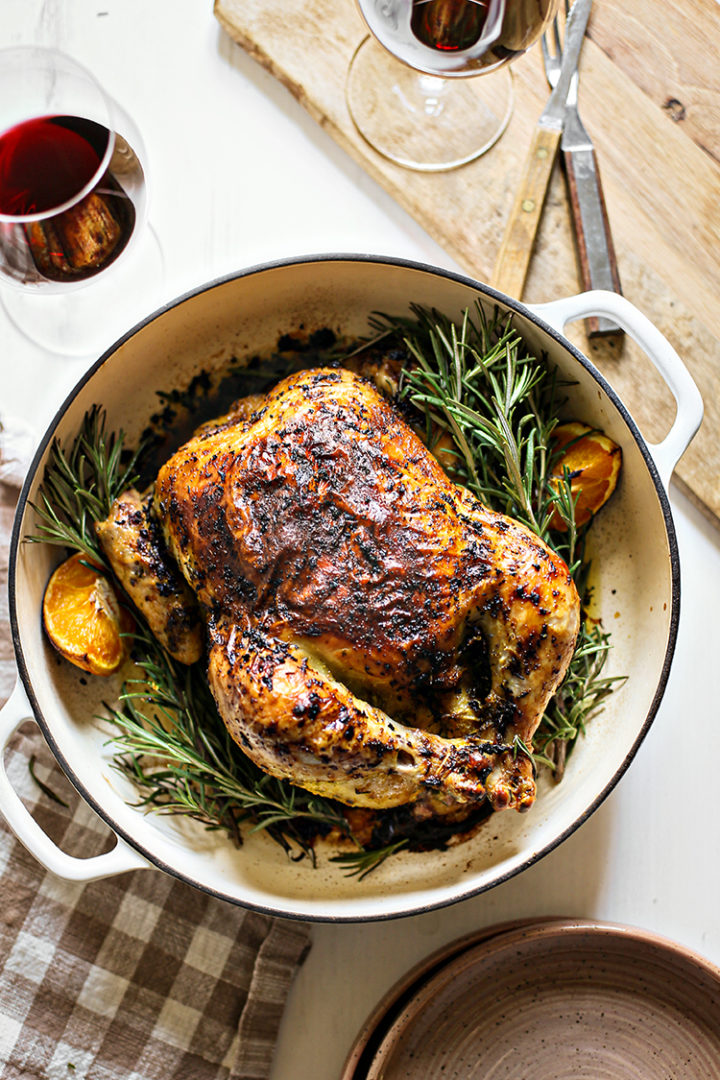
[558, 1000]
[390, 1006]
[635, 589]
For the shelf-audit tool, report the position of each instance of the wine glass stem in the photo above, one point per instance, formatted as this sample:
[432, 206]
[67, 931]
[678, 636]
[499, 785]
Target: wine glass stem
[432, 90]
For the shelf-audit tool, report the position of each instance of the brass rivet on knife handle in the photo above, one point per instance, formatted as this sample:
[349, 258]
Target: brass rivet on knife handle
[513, 259]
[585, 217]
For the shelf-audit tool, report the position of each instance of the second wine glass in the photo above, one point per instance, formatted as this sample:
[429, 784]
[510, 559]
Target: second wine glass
[412, 90]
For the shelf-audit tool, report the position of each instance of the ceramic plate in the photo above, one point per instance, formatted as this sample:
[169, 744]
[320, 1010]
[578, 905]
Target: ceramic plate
[391, 1004]
[553, 1000]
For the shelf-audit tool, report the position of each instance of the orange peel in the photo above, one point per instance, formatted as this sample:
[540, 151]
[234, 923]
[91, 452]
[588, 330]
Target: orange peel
[83, 617]
[593, 462]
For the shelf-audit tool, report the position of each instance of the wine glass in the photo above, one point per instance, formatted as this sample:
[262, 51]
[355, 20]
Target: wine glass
[410, 87]
[77, 260]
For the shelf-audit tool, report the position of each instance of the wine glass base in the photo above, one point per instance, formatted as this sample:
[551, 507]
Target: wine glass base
[424, 122]
[87, 320]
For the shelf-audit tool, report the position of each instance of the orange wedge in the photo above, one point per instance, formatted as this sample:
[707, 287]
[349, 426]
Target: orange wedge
[593, 461]
[83, 617]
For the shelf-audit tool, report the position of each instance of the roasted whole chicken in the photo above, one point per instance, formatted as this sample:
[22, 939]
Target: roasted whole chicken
[376, 634]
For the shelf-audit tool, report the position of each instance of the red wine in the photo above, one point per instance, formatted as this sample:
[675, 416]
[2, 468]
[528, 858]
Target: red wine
[46, 161]
[448, 25]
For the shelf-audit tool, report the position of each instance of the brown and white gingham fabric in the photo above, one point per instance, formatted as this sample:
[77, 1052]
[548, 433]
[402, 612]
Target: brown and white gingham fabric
[136, 977]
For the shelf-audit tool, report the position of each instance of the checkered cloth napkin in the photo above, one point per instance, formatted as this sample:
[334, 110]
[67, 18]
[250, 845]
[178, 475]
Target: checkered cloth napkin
[135, 977]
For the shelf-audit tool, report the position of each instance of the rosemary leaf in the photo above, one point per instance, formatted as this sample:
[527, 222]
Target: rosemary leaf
[81, 483]
[46, 790]
[361, 863]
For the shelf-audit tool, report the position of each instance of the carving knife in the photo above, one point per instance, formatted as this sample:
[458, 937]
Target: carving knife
[517, 243]
[596, 252]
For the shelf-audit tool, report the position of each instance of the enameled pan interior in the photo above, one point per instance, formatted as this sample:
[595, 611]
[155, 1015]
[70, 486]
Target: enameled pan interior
[634, 577]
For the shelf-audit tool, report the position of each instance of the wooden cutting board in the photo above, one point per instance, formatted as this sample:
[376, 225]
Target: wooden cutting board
[650, 98]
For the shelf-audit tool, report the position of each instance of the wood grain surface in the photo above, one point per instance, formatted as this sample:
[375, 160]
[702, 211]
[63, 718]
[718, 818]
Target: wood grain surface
[516, 247]
[650, 99]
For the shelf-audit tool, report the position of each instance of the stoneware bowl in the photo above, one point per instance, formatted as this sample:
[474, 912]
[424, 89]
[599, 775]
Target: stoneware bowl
[633, 550]
[554, 998]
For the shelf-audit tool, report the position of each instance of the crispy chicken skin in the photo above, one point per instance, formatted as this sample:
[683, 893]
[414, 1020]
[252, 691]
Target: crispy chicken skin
[133, 544]
[376, 634]
[294, 719]
[131, 541]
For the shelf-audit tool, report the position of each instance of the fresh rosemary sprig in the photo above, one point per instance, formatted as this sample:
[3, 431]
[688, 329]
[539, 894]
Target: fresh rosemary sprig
[477, 381]
[577, 700]
[362, 862]
[80, 485]
[45, 788]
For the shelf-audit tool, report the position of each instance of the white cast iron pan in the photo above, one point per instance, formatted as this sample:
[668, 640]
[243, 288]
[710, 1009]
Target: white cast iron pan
[636, 583]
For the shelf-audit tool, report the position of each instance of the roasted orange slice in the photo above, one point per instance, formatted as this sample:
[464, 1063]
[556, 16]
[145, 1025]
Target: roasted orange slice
[83, 617]
[593, 461]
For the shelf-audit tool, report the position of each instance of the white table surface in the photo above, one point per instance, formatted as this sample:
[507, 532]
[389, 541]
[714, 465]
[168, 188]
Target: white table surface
[241, 175]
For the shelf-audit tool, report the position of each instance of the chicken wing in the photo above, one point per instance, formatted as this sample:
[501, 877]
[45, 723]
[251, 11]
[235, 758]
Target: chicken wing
[132, 543]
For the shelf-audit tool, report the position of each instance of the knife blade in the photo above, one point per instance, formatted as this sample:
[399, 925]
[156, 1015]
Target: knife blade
[595, 248]
[516, 247]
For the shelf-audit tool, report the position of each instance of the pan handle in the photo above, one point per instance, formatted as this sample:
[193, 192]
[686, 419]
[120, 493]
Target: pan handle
[117, 861]
[659, 351]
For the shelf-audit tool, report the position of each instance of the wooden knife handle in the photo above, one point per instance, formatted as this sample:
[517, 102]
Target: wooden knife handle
[516, 248]
[596, 253]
